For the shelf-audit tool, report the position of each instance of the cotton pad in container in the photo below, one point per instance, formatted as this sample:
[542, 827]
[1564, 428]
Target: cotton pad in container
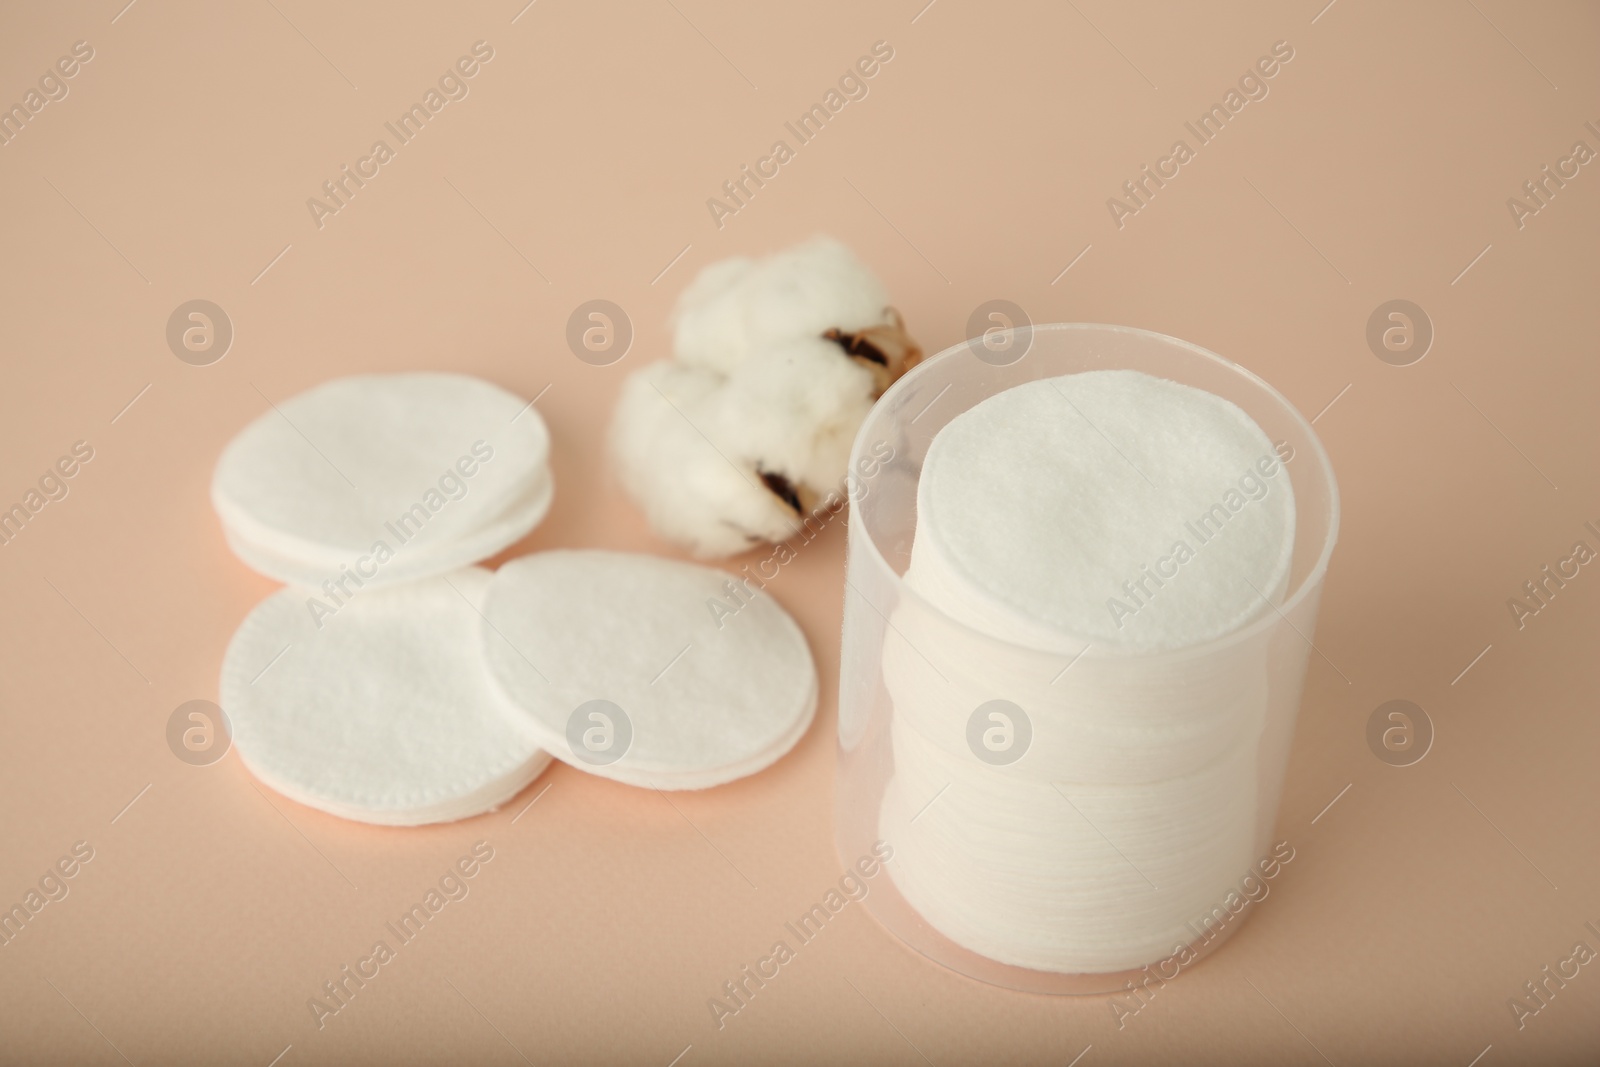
[383, 713]
[1090, 576]
[1107, 506]
[648, 671]
[1087, 876]
[1036, 526]
[383, 478]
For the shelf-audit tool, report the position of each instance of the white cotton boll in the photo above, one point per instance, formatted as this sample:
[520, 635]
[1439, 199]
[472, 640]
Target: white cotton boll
[738, 307]
[809, 289]
[708, 323]
[793, 409]
[777, 363]
[695, 493]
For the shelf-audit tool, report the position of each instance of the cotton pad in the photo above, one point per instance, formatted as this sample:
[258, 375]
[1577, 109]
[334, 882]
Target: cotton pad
[649, 671]
[310, 566]
[1080, 877]
[1110, 507]
[382, 712]
[390, 476]
[1096, 721]
[1074, 537]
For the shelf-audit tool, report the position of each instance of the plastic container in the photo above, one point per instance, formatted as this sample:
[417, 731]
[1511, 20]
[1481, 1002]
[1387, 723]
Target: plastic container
[896, 646]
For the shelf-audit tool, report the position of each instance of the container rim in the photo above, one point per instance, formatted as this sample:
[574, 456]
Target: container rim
[1312, 580]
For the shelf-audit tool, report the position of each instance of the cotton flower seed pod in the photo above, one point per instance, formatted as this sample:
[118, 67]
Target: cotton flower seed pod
[665, 447]
[708, 327]
[885, 350]
[778, 362]
[740, 306]
[793, 410]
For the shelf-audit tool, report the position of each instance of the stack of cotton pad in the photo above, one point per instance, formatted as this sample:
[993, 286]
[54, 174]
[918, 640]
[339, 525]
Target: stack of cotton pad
[361, 688]
[390, 684]
[1089, 531]
[623, 670]
[384, 714]
[383, 478]
[1037, 505]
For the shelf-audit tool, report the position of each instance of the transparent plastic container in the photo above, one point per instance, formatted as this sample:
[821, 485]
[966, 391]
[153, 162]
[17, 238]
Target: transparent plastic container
[897, 646]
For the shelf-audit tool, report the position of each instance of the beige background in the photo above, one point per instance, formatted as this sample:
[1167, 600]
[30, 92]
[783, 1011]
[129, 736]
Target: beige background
[978, 167]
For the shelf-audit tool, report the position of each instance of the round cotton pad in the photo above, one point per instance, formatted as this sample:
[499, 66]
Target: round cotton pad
[648, 671]
[1075, 523]
[384, 712]
[427, 470]
[1111, 507]
[298, 563]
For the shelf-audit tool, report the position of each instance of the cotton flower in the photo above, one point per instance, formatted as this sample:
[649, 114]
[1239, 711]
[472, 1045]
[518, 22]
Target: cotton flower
[739, 307]
[777, 363]
[794, 411]
[692, 491]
